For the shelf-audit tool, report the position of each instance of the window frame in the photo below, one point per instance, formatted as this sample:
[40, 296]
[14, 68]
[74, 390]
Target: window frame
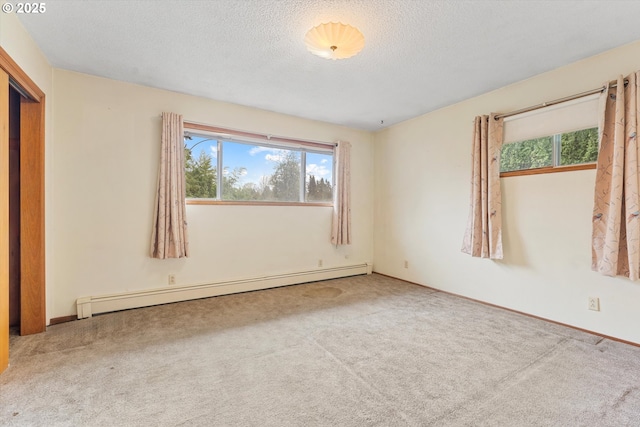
[549, 169]
[249, 138]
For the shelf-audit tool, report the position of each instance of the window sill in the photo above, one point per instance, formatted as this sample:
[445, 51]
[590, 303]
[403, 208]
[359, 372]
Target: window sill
[253, 203]
[549, 169]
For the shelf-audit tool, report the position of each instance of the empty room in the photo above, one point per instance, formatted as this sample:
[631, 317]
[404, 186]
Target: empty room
[319, 213]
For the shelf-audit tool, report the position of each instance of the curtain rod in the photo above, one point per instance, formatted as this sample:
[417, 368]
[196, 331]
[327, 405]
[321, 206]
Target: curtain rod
[613, 83]
[219, 130]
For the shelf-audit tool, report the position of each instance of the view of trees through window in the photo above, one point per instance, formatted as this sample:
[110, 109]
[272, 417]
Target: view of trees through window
[565, 149]
[251, 172]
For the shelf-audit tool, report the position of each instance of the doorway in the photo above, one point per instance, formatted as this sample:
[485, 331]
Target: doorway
[22, 250]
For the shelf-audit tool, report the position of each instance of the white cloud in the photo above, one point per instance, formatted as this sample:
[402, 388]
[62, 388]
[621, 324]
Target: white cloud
[256, 150]
[277, 156]
[318, 170]
[214, 151]
[274, 154]
[324, 161]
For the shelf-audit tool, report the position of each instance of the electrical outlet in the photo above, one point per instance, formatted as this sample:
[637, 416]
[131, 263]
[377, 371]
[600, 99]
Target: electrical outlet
[319, 263]
[406, 264]
[594, 303]
[172, 279]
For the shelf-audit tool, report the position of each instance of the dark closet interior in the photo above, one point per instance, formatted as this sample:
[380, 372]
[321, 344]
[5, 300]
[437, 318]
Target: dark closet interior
[14, 208]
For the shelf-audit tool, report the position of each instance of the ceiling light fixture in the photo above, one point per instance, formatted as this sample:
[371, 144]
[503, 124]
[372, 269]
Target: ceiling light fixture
[334, 40]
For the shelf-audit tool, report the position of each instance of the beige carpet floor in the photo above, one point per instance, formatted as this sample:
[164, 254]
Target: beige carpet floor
[360, 351]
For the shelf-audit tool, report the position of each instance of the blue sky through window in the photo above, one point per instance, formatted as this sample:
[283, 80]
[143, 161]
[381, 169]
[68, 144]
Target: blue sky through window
[259, 161]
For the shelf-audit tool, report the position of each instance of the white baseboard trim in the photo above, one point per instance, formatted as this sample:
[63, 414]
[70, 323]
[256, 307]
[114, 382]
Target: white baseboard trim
[88, 306]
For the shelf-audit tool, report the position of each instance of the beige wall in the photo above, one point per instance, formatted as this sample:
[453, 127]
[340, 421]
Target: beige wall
[422, 170]
[102, 139]
[20, 46]
[106, 153]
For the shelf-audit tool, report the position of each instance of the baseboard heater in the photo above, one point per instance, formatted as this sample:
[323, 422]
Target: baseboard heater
[88, 306]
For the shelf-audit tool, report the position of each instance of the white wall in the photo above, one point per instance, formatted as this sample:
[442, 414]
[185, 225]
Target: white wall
[15, 40]
[422, 192]
[107, 136]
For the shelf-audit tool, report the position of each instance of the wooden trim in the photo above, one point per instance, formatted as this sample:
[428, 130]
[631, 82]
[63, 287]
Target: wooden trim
[250, 203]
[32, 228]
[17, 74]
[598, 334]
[63, 319]
[549, 169]
[4, 221]
[265, 138]
[33, 304]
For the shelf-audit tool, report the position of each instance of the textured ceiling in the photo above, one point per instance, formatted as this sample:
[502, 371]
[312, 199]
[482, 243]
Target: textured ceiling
[251, 52]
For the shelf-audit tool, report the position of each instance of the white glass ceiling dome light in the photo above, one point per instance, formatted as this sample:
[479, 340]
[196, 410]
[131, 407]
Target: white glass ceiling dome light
[334, 40]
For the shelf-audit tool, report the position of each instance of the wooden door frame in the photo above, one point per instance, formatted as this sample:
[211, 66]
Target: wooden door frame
[32, 199]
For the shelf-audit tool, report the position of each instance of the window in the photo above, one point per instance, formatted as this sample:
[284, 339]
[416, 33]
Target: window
[571, 148]
[555, 138]
[229, 169]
